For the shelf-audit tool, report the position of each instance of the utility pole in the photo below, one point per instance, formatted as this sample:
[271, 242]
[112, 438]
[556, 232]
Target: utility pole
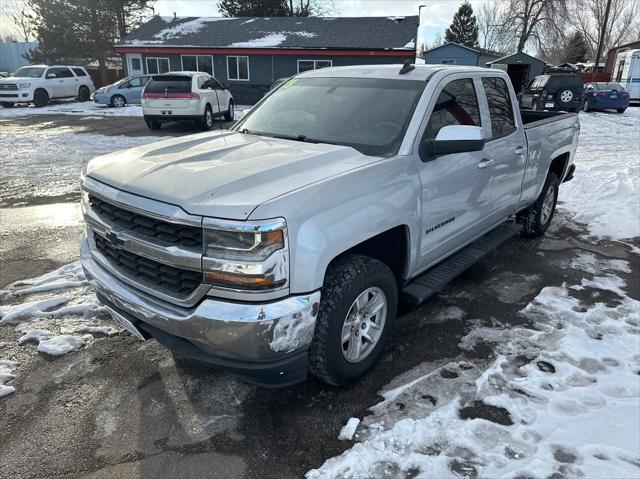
[596, 65]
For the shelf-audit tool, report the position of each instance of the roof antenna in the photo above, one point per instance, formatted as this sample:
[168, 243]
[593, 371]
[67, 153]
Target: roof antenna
[407, 67]
[175, 16]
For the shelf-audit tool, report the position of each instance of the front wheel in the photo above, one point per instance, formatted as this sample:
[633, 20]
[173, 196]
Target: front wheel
[40, 98]
[357, 310]
[537, 218]
[118, 101]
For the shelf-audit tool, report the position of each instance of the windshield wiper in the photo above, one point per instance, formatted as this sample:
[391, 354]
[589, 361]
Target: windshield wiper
[303, 138]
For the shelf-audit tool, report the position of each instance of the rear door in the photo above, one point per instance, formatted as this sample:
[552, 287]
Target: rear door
[54, 81]
[70, 83]
[456, 196]
[170, 92]
[207, 91]
[134, 89]
[505, 148]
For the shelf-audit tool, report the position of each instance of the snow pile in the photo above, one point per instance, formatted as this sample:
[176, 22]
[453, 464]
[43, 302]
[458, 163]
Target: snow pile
[186, 28]
[349, 429]
[560, 400]
[6, 374]
[270, 40]
[605, 191]
[86, 108]
[57, 311]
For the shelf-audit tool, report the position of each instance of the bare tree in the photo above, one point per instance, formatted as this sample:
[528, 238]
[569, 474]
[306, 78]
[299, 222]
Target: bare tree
[530, 20]
[495, 34]
[17, 23]
[623, 25]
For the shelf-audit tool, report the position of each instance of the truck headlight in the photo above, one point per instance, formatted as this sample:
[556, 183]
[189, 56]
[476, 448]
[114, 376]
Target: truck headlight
[24, 85]
[246, 256]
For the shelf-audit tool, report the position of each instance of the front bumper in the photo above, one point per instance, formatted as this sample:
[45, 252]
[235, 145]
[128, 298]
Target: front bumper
[265, 343]
[16, 96]
[102, 98]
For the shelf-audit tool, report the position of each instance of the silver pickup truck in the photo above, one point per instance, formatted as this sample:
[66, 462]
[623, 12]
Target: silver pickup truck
[282, 246]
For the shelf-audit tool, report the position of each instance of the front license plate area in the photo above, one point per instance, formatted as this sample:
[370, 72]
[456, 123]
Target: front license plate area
[126, 324]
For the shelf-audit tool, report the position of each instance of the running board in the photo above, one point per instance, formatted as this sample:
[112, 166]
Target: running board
[435, 279]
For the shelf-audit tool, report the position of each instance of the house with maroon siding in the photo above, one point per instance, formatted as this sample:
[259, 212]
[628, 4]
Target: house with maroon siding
[248, 54]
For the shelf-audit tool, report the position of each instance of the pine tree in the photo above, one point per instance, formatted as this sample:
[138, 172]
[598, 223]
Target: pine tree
[576, 50]
[464, 27]
[272, 8]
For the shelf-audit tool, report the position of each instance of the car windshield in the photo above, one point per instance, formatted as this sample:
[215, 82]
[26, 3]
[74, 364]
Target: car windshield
[370, 115]
[610, 86]
[29, 72]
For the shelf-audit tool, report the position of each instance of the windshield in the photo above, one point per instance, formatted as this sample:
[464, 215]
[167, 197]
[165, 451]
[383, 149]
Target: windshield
[30, 72]
[370, 115]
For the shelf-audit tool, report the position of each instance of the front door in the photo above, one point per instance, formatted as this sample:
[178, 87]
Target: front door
[134, 64]
[456, 196]
[505, 148]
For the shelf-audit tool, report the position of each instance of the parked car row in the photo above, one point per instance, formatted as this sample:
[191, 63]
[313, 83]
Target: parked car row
[564, 91]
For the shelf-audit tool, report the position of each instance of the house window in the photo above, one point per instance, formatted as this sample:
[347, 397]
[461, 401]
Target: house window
[448, 62]
[198, 63]
[238, 68]
[157, 65]
[306, 65]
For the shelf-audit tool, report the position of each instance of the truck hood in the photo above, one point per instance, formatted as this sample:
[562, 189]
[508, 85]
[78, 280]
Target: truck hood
[222, 174]
[17, 79]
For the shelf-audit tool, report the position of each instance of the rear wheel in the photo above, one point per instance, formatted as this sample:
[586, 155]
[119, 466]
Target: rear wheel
[537, 218]
[40, 98]
[153, 124]
[207, 119]
[621, 110]
[585, 106]
[357, 309]
[118, 101]
[6, 104]
[84, 94]
[228, 116]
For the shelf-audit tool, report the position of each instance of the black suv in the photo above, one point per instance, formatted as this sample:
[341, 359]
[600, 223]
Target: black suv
[553, 91]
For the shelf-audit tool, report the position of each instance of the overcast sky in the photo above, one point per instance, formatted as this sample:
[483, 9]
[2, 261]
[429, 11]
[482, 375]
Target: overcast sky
[436, 15]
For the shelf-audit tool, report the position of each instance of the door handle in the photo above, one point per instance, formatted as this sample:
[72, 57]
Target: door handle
[520, 150]
[485, 162]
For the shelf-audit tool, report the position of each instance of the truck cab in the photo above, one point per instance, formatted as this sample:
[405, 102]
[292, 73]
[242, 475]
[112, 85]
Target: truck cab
[283, 246]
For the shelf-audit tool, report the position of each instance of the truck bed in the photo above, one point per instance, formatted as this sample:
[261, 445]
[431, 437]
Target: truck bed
[532, 118]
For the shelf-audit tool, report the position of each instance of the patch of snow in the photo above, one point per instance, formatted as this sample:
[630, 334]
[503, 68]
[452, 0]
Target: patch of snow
[186, 28]
[270, 40]
[605, 191]
[6, 374]
[566, 391]
[30, 309]
[251, 20]
[86, 108]
[134, 41]
[291, 333]
[590, 263]
[35, 336]
[349, 429]
[99, 330]
[411, 44]
[59, 345]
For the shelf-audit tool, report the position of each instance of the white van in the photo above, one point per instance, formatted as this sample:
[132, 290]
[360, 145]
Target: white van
[626, 71]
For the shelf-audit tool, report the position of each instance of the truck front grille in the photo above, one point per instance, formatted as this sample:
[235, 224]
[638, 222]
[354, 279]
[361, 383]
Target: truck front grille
[174, 281]
[156, 231]
[8, 86]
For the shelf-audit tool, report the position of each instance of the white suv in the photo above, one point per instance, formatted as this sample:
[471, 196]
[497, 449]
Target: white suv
[38, 84]
[190, 96]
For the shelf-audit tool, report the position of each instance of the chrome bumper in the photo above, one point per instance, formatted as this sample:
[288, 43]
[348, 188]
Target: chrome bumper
[228, 330]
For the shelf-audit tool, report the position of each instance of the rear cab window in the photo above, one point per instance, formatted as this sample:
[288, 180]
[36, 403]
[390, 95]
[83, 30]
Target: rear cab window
[457, 104]
[79, 72]
[169, 84]
[500, 106]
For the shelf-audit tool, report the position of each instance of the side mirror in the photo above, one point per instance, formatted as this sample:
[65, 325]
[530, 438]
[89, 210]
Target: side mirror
[453, 139]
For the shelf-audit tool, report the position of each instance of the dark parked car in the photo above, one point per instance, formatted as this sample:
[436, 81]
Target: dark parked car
[605, 96]
[553, 91]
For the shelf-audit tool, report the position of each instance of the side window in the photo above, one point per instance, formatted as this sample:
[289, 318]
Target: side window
[79, 72]
[216, 84]
[124, 85]
[65, 73]
[457, 104]
[56, 72]
[202, 83]
[500, 108]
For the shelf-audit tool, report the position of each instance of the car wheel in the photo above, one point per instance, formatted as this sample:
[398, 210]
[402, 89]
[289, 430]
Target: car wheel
[585, 106]
[621, 110]
[40, 98]
[534, 107]
[228, 116]
[207, 119]
[6, 104]
[118, 101]
[357, 309]
[537, 218]
[84, 94]
[153, 124]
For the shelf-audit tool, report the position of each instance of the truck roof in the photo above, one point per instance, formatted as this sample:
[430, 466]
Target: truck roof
[421, 72]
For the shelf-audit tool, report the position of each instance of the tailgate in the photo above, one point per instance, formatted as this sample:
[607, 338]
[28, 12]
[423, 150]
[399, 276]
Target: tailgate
[169, 91]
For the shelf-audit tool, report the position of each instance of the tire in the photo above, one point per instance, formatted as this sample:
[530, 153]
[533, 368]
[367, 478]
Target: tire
[6, 104]
[207, 119]
[40, 98]
[228, 116]
[565, 96]
[621, 110]
[153, 124]
[585, 106]
[84, 94]
[537, 218]
[534, 107]
[118, 101]
[349, 278]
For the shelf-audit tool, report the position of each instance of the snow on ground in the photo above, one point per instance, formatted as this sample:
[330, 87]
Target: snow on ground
[605, 191]
[57, 312]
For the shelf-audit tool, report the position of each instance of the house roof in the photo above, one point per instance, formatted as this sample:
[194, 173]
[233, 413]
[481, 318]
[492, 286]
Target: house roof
[516, 55]
[367, 33]
[478, 50]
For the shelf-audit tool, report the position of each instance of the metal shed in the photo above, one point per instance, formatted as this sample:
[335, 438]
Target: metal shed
[520, 67]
